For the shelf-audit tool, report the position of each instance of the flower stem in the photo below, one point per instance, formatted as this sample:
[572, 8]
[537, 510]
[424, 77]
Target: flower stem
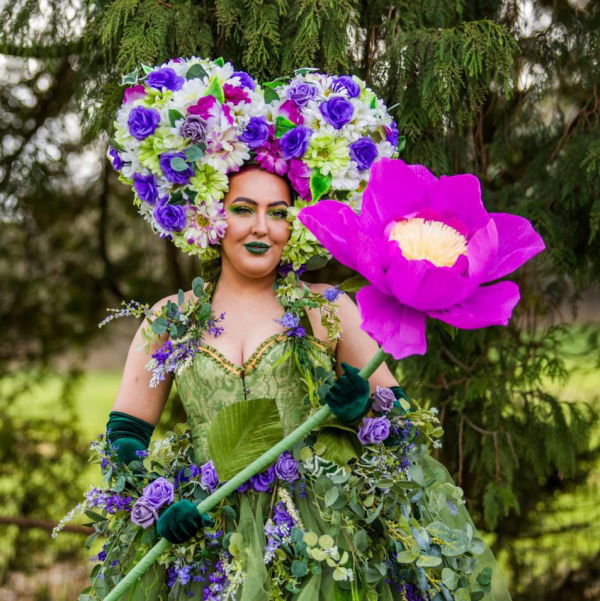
[258, 465]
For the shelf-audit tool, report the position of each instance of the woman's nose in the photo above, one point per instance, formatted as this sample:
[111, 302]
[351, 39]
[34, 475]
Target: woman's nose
[260, 223]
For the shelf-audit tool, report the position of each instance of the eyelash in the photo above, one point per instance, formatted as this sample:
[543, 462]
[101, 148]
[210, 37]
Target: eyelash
[278, 214]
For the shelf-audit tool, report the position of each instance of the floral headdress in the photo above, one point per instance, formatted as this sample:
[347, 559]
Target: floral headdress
[186, 125]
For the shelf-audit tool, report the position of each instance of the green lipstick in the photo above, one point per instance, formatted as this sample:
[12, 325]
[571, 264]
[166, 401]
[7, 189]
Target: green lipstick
[257, 248]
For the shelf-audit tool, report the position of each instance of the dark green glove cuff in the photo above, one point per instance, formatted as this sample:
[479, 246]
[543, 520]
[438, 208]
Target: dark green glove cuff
[348, 398]
[399, 394]
[181, 521]
[128, 434]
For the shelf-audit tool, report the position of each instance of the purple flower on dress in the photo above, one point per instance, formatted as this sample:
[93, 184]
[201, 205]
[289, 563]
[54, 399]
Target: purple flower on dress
[391, 134]
[281, 516]
[142, 122]
[246, 80]
[170, 217]
[331, 294]
[117, 161]
[337, 111]
[209, 477]
[383, 399]
[292, 323]
[263, 481]
[159, 492]
[301, 93]
[294, 142]
[164, 352]
[347, 84]
[165, 78]
[194, 128]
[373, 430]
[173, 175]
[286, 467]
[244, 487]
[143, 513]
[363, 152]
[145, 186]
[256, 132]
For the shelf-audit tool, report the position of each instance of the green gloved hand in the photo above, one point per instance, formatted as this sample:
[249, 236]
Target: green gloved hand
[399, 394]
[181, 521]
[128, 434]
[348, 398]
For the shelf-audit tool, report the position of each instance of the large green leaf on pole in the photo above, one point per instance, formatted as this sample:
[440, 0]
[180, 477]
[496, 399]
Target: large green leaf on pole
[242, 432]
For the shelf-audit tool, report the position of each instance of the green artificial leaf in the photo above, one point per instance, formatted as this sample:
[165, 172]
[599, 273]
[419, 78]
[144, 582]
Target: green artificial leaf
[276, 83]
[299, 568]
[361, 540]
[353, 284]
[178, 164]
[484, 578]
[95, 517]
[373, 103]
[331, 496]
[316, 262]
[449, 578]
[271, 95]
[477, 595]
[304, 70]
[462, 594]
[319, 184]
[190, 194]
[180, 297]
[159, 326]
[220, 61]
[196, 152]
[407, 556]
[196, 71]
[242, 432]
[198, 287]
[437, 432]
[340, 446]
[215, 88]
[401, 144]
[429, 561]
[282, 126]
[147, 69]
[174, 116]
[177, 198]
[130, 78]
[119, 484]
[112, 142]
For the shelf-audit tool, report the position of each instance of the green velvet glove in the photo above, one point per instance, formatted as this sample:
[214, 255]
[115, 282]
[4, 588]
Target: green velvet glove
[399, 394]
[348, 398]
[128, 434]
[181, 521]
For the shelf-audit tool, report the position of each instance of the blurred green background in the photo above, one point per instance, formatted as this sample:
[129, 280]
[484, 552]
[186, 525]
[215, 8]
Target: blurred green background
[504, 89]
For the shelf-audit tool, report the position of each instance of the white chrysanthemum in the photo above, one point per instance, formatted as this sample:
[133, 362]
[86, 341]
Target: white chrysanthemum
[224, 72]
[381, 113]
[188, 95]
[363, 120]
[347, 178]
[131, 163]
[206, 225]
[385, 149]
[224, 151]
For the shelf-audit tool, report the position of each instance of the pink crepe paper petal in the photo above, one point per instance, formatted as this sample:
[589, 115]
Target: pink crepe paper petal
[517, 243]
[482, 251]
[459, 196]
[398, 329]
[488, 306]
[395, 189]
[337, 228]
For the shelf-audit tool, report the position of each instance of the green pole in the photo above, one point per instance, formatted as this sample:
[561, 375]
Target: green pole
[258, 465]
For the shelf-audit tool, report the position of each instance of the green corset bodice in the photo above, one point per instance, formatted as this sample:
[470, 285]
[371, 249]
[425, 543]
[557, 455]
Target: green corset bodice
[212, 382]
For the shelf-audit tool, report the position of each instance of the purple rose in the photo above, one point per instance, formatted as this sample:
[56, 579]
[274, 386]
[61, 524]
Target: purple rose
[165, 78]
[243, 487]
[173, 175]
[159, 493]
[373, 430]
[383, 399]
[143, 513]
[294, 142]
[209, 478]
[170, 217]
[256, 132]
[363, 152]
[337, 111]
[142, 122]
[391, 134]
[117, 161]
[286, 467]
[246, 80]
[145, 186]
[263, 481]
[347, 84]
[194, 128]
[301, 93]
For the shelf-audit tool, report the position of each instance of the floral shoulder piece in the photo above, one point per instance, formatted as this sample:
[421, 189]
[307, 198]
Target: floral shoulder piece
[185, 322]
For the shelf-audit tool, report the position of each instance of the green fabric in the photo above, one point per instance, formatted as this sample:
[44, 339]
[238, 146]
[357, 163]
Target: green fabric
[348, 398]
[181, 521]
[128, 434]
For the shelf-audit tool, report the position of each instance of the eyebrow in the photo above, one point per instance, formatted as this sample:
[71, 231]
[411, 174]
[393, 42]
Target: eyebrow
[253, 202]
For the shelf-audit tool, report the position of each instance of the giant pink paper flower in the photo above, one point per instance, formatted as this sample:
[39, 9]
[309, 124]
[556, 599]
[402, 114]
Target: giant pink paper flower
[428, 248]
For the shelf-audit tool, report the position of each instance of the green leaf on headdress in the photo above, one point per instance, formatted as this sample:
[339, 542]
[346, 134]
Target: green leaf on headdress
[353, 284]
[319, 184]
[304, 70]
[190, 194]
[193, 153]
[147, 69]
[196, 71]
[130, 79]
[283, 125]
[242, 432]
[373, 103]
[215, 89]
[401, 143]
[174, 116]
[271, 95]
[276, 83]
[220, 61]
[112, 142]
[176, 198]
[178, 164]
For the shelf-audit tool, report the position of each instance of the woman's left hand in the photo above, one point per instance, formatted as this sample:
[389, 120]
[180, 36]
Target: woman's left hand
[348, 398]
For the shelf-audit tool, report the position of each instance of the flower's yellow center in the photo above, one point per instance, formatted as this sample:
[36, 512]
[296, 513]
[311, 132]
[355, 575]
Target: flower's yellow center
[435, 241]
[202, 221]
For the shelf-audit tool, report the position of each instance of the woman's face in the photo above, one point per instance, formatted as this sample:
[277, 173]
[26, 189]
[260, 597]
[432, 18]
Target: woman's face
[257, 230]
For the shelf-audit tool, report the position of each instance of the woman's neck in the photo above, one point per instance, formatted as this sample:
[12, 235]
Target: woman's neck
[232, 281]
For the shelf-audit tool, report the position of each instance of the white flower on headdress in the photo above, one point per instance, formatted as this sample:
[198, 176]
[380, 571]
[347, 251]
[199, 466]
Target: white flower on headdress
[206, 224]
[224, 151]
